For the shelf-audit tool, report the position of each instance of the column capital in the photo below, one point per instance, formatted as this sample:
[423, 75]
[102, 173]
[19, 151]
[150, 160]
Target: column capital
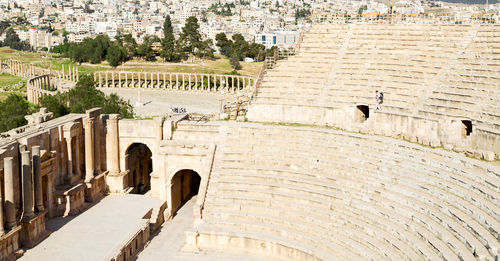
[113, 117]
[88, 122]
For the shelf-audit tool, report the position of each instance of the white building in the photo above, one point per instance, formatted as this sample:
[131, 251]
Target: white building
[281, 39]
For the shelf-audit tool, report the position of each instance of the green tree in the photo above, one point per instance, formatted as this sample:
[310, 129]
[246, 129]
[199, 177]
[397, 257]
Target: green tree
[77, 53]
[204, 49]
[12, 40]
[116, 55]
[235, 61]
[190, 37]
[145, 50]
[85, 96]
[168, 50]
[54, 105]
[12, 112]
[130, 45]
[224, 44]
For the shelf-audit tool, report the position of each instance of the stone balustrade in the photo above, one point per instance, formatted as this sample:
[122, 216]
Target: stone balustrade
[174, 81]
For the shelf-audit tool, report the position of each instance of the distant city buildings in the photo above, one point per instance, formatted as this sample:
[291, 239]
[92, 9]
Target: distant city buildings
[271, 23]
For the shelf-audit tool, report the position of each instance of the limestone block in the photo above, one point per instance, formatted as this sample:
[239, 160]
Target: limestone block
[448, 146]
[488, 155]
[478, 155]
[435, 143]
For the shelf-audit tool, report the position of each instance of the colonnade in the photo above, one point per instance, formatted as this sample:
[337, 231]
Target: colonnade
[38, 87]
[71, 74]
[173, 81]
[32, 191]
[18, 68]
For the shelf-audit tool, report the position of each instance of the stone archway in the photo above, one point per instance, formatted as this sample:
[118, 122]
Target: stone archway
[185, 185]
[139, 165]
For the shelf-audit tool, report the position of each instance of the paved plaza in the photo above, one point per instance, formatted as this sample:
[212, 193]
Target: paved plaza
[96, 234]
[158, 102]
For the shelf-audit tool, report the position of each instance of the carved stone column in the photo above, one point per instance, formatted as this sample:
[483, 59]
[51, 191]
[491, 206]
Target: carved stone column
[70, 157]
[97, 144]
[2, 230]
[28, 212]
[114, 143]
[10, 209]
[77, 156]
[89, 148]
[37, 179]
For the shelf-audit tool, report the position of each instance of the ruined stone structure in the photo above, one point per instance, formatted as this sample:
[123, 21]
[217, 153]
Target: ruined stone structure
[361, 191]
[173, 81]
[41, 165]
[440, 83]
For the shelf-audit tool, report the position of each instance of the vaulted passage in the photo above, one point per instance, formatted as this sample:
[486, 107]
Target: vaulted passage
[185, 185]
[140, 166]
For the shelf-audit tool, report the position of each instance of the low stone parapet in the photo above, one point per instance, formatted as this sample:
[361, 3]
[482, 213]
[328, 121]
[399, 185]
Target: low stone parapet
[70, 201]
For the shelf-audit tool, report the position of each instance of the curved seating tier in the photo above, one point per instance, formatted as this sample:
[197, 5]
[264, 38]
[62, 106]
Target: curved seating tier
[426, 72]
[320, 194]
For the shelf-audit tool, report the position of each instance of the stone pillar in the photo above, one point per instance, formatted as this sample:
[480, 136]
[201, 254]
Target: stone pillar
[112, 79]
[106, 79]
[10, 208]
[119, 79]
[70, 157]
[77, 156]
[2, 230]
[159, 129]
[77, 74]
[190, 87]
[37, 179]
[100, 79]
[114, 143]
[27, 186]
[89, 149]
[170, 81]
[97, 144]
[177, 81]
[139, 80]
[183, 82]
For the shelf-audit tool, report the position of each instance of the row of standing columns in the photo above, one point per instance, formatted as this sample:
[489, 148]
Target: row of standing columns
[39, 86]
[18, 68]
[32, 194]
[173, 81]
[71, 74]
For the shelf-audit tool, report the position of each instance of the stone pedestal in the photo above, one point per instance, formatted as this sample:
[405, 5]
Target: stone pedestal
[9, 244]
[95, 188]
[117, 182]
[33, 230]
[70, 201]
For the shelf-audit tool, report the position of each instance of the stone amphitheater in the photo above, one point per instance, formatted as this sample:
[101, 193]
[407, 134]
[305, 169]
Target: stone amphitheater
[316, 173]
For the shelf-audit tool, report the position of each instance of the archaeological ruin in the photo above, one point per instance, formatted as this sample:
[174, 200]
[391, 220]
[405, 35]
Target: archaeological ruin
[315, 173]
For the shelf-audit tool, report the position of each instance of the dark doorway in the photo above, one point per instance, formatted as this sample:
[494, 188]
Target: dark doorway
[362, 113]
[466, 128]
[140, 166]
[185, 185]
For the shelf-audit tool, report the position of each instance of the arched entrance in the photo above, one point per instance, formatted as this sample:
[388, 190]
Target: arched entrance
[139, 164]
[185, 185]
